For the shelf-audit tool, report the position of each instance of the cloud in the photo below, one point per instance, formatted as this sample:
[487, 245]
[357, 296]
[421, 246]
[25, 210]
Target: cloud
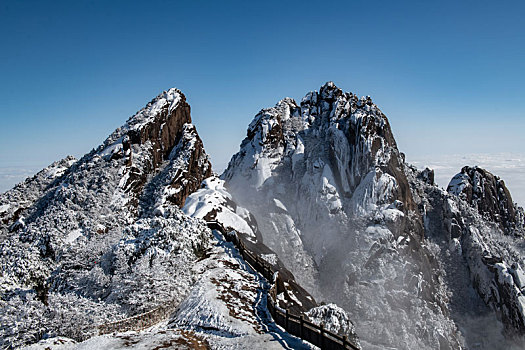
[12, 175]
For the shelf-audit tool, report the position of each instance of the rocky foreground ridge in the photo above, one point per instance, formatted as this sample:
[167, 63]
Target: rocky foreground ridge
[318, 192]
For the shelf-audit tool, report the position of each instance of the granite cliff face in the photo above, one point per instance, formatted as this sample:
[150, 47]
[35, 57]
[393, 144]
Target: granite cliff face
[489, 195]
[81, 240]
[161, 131]
[318, 191]
[326, 183]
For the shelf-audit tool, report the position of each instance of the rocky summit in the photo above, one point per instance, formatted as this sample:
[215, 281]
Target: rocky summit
[489, 195]
[317, 225]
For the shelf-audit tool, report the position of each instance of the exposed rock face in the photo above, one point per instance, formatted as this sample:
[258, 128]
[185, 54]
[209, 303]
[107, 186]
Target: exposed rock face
[326, 183]
[466, 223]
[160, 132]
[489, 195]
[358, 133]
[82, 239]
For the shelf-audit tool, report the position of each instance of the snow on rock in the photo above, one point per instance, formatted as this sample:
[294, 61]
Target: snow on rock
[154, 338]
[490, 196]
[214, 203]
[478, 255]
[375, 190]
[73, 235]
[85, 241]
[270, 258]
[326, 183]
[227, 306]
[4, 207]
[458, 183]
[334, 319]
[223, 299]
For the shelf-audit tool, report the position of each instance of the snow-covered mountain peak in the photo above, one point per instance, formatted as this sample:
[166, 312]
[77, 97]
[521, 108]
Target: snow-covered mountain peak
[169, 99]
[157, 120]
[326, 183]
[329, 91]
[318, 200]
[350, 136]
[89, 237]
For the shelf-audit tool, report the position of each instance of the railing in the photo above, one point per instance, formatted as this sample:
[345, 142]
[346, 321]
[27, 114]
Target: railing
[296, 325]
[308, 331]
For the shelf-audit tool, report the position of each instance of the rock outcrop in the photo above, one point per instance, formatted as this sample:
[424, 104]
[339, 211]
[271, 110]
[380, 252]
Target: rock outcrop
[326, 183]
[160, 132]
[489, 195]
[82, 239]
[469, 225]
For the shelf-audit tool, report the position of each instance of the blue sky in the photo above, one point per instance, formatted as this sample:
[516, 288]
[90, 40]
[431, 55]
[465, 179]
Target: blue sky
[449, 75]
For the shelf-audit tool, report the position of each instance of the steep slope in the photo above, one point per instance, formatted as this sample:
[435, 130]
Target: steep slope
[96, 253]
[99, 239]
[481, 251]
[214, 203]
[326, 183]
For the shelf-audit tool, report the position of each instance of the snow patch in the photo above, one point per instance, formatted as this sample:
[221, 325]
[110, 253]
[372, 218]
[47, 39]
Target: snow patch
[73, 235]
[4, 208]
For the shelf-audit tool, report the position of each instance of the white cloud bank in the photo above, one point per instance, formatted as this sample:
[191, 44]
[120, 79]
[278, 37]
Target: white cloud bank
[12, 175]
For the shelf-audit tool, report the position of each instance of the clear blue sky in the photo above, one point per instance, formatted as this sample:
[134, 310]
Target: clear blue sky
[448, 74]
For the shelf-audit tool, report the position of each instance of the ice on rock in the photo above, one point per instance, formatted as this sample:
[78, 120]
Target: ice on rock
[333, 163]
[73, 235]
[334, 319]
[4, 207]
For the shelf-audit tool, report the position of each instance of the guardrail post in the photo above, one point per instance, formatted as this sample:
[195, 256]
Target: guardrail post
[286, 319]
[321, 334]
[301, 322]
[345, 340]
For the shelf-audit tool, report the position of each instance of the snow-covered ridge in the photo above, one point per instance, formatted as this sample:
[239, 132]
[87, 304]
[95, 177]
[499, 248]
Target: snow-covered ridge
[86, 239]
[214, 204]
[169, 100]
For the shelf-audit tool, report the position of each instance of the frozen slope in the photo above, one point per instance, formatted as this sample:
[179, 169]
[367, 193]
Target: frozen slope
[326, 183]
[93, 248]
[225, 309]
[102, 238]
[481, 254]
[214, 203]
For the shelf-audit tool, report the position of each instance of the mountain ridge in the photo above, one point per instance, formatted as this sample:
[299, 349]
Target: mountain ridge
[318, 189]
